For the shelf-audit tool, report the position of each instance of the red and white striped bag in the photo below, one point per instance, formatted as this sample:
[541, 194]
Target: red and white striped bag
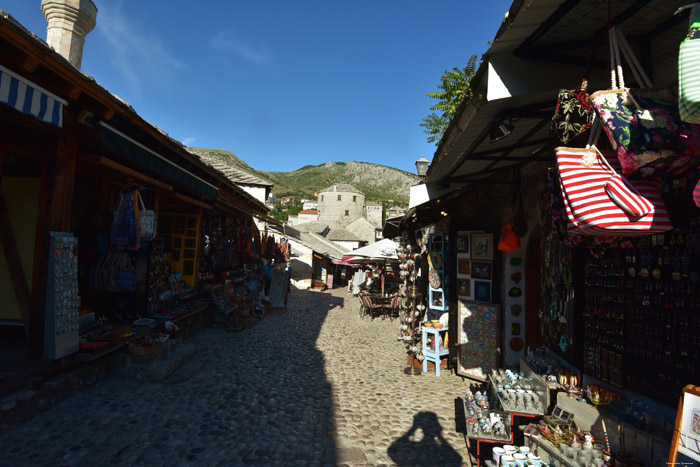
[599, 201]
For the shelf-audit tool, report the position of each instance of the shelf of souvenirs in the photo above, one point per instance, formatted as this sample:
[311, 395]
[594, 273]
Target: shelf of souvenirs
[99, 337]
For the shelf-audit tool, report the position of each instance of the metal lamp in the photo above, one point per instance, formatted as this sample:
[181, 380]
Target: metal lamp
[422, 167]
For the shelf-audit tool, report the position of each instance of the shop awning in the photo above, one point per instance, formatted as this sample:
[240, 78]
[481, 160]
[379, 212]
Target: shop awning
[121, 144]
[541, 47]
[29, 98]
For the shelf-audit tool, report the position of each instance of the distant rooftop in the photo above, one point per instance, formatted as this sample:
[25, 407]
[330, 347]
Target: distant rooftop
[343, 188]
[342, 235]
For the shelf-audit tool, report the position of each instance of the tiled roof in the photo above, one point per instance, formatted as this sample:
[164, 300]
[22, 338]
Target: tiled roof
[343, 188]
[342, 235]
[235, 175]
[308, 211]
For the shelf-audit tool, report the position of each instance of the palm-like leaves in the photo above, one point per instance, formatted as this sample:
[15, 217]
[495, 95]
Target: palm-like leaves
[454, 88]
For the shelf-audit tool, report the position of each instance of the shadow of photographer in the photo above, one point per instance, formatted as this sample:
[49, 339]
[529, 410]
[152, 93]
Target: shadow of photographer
[432, 446]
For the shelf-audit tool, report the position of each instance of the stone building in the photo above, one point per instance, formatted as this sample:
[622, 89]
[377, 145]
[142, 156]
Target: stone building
[373, 213]
[340, 204]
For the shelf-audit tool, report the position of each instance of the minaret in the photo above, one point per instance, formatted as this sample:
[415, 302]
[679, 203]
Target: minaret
[69, 22]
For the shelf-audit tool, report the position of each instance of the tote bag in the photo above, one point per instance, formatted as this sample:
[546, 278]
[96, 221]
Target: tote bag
[147, 221]
[644, 126]
[689, 76]
[599, 201]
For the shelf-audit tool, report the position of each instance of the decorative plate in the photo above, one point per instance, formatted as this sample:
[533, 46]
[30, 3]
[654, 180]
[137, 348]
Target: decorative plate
[435, 260]
[516, 344]
[434, 279]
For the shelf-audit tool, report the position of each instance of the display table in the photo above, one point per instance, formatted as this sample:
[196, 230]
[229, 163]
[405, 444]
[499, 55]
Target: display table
[435, 353]
[179, 314]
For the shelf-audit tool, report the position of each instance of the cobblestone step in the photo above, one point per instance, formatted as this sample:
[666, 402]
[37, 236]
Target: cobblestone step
[186, 371]
[155, 370]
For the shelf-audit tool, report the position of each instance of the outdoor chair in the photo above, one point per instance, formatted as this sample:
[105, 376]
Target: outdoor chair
[372, 307]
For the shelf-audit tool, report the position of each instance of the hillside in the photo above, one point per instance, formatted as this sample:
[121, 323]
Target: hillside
[379, 183]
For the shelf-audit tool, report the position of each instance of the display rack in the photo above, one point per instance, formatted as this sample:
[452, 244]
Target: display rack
[539, 390]
[61, 329]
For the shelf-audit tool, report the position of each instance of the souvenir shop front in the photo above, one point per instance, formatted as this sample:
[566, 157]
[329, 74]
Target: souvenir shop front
[104, 218]
[587, 334]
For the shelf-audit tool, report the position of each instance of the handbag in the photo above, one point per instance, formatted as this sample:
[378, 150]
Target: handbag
[644, 126]
[572, 117]
[126, 273]
[689, 75]
[600, 201]
[147, 221]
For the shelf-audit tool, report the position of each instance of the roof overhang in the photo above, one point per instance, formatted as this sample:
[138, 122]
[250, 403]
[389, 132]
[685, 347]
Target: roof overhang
[542, 46]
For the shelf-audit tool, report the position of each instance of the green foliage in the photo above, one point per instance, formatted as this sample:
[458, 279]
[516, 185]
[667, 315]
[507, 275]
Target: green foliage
[453, 89]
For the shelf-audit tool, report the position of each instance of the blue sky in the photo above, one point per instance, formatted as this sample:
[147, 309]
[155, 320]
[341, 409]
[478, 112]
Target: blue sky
[284, 84]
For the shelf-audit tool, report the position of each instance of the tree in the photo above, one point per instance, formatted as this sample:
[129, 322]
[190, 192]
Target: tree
[454, 88]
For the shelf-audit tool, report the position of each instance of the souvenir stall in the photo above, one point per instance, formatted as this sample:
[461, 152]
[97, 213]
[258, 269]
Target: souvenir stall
[597, 308]
[135, 265]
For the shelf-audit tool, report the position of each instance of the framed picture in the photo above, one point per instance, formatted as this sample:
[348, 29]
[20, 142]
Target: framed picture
[462, 242]
[464, 267]
[686, 438]
[464, 289]
[482, 246]
[482, 291]
[482, 270]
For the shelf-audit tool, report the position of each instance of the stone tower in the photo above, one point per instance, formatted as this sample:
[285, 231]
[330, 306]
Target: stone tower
[69, 22]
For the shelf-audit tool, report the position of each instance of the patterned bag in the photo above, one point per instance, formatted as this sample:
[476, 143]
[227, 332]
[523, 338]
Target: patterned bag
[573, 116]
[689, 76]
[644, 126]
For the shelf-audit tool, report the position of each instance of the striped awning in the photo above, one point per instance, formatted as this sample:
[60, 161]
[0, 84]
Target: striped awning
[25, 96]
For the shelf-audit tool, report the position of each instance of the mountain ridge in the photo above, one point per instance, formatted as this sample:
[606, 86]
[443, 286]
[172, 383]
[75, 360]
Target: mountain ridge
[378, 182]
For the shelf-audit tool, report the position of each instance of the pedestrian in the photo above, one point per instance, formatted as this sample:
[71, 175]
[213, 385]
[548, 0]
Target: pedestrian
[267, 272]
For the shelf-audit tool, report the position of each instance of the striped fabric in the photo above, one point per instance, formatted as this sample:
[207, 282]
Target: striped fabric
[689, 80]
[25, 96]
[590, 208]
[626, 196]
[696, 194]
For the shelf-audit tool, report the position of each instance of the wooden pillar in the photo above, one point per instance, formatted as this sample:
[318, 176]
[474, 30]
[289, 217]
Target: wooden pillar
[55, 210]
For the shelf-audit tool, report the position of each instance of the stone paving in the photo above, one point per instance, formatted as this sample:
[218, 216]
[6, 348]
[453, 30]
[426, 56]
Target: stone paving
[311, 385]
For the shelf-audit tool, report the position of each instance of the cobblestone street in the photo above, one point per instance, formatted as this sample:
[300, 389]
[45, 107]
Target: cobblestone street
[311, 385]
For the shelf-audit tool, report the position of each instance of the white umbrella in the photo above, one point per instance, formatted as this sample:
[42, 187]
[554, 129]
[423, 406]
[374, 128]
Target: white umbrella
[383, 250]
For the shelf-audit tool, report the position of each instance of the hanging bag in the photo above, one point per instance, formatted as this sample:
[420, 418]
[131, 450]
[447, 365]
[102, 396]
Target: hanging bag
[574, 114]
[689, 75]
[126, 273]
[600, 201]
[147, 221]
[643, 125]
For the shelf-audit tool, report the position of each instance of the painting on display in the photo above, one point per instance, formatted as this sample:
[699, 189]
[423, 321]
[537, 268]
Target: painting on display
[463, 265]
[482, 270]
[482, 246]
[478, 338]
[462, 242]
[464, 289]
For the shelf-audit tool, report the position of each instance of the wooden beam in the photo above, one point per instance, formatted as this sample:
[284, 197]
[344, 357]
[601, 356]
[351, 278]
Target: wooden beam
[14, 263]
[127, 171]
[192, 201]
[30, 63]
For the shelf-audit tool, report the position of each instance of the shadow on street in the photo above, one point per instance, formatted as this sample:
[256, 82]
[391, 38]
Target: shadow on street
[411, 449]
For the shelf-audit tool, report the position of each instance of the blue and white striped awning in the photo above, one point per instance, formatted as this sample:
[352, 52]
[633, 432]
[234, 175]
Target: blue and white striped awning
[25, 96]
